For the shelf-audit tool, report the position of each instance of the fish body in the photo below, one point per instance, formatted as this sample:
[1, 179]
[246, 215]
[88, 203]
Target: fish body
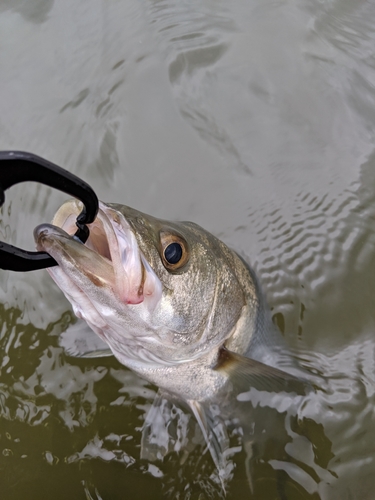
[174, 304]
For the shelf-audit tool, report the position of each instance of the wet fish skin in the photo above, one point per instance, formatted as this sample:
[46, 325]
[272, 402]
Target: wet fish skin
[187, 327]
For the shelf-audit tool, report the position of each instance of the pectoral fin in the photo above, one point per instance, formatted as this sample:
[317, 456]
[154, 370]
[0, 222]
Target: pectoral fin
[79, 341]
[99, 353]
[247, 373]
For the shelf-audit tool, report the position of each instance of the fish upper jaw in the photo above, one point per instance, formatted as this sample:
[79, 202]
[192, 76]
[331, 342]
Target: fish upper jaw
[109, 262]
[135, 280]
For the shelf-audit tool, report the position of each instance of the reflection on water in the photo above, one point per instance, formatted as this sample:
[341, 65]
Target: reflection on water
[255, 120]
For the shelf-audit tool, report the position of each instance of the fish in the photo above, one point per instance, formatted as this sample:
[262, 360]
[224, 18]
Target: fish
[177, 306]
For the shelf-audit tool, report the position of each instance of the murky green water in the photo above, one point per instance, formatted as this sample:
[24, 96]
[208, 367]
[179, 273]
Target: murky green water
[254, 119]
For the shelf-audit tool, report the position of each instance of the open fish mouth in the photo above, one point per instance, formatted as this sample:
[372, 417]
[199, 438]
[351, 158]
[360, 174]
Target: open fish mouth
[110, 259]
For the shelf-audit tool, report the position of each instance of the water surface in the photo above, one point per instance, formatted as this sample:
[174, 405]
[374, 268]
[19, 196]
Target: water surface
[255, 120]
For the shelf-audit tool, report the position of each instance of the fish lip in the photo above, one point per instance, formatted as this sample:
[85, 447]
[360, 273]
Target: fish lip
[111, 243]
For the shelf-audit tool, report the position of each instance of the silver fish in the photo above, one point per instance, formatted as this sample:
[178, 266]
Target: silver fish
[175, 305]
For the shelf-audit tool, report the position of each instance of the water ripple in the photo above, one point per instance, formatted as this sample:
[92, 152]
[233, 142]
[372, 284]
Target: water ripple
[195, 40]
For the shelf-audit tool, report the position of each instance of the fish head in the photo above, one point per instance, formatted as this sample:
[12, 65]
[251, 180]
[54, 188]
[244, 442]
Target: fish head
[159, 293]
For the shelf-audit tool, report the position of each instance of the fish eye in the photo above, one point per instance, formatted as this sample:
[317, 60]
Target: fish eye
[174, 251]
